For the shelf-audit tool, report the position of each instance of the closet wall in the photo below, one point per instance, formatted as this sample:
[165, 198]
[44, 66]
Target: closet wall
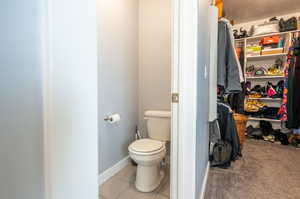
[202, 139]
[247, 25]
[154, 57]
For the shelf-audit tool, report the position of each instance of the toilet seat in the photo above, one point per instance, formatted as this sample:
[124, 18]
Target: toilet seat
[146, 147]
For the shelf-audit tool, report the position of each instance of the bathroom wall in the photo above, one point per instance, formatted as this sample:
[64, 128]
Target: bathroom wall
[118, 77]
[21, 157]
[154, 57]
[134, 69]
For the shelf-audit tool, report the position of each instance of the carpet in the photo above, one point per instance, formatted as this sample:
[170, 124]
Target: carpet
[266, 171]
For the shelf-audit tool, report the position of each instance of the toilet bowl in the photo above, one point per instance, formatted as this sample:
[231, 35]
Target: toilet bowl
[148, 154]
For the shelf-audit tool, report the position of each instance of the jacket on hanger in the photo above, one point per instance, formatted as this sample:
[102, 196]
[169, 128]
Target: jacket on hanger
[230, 74]
[228, 129]
[293, 96]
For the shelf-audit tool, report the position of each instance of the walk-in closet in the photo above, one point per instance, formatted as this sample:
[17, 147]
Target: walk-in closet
[255, 140]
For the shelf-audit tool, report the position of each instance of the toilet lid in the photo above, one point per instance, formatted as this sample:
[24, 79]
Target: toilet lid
[146, 145]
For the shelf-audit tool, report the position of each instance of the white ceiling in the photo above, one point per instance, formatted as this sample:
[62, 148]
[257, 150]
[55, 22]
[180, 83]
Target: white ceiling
[250, 10]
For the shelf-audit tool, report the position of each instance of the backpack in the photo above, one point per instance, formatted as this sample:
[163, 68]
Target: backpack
[221, 155]
[220, 151]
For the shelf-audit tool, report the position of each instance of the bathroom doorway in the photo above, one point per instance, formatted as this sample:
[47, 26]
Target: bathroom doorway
[123, 60]
[167, 69]
[134, 78]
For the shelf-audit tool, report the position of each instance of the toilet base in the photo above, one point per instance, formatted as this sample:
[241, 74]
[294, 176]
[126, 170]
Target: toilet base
[148, 178]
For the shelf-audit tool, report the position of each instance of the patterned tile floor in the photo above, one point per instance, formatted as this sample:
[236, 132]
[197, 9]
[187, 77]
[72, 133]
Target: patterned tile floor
[121, 186]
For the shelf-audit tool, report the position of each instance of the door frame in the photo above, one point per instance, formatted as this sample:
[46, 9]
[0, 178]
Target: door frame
[47, 57]
[184, 113]
[174, 172]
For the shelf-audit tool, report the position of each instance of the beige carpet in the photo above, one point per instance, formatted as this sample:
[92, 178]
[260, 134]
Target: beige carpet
[266, 171]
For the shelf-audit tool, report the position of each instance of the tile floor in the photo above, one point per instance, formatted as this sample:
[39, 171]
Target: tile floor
[121, 186]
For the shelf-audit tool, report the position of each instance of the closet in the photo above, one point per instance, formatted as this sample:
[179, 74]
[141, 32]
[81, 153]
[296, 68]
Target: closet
[258, 76]
[264, 75]
[266, 61]
[255, 140]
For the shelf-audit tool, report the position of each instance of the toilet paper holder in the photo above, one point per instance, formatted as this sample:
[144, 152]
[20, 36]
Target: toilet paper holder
[108, 119]
[114, 118]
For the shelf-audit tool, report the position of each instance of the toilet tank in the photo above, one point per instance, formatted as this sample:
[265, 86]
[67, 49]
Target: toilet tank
[158, 125]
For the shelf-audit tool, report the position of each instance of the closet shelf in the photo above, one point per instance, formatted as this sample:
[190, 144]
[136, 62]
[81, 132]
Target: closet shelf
[240, 40]
[266, 77]
[264, 98]
[260, 119]
[267, 35]
[266, 56]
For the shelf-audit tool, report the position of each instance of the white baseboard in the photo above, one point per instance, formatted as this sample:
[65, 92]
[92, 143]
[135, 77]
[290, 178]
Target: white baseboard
[203, 188]
[110, 172]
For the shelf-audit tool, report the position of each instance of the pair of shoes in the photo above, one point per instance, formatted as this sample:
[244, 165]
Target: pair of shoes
[255, 95]
[294, 140]
[270, 90]
[275, 91]
[274, 72]
[258, 89]
[270, 138]
[255, 133]
[276, 69]
[254, 105]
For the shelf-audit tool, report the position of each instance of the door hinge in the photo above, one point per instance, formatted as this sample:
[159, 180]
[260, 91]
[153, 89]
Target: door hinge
[175, 97]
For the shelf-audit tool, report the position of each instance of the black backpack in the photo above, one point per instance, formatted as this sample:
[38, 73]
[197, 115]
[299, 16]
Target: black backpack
[221, 155]
[219, 151]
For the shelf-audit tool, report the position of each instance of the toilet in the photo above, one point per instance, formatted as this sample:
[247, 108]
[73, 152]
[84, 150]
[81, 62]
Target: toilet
[148, 153]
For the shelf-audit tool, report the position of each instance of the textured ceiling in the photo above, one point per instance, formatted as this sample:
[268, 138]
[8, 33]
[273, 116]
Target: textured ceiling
[250, 10]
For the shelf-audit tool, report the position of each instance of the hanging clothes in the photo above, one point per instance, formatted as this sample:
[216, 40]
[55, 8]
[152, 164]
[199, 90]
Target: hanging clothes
[236, 100]
[293, 96]
[282, 113]
[290, 108]
[228, 129]
[230, 74]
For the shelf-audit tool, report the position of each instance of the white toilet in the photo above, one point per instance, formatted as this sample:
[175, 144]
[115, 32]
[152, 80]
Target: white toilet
[148, 153]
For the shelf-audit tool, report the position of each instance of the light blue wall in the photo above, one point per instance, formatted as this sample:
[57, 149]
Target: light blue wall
[203, 101]
[118, 77]
[21, 158]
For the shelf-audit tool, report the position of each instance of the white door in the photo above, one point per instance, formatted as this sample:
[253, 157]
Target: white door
[184, 82]
[70, 99]
[175, 96]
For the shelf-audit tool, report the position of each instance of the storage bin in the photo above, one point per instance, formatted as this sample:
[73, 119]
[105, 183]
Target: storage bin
[241, 122]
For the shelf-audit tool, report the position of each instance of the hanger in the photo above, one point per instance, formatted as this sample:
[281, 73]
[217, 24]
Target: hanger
[227, 106]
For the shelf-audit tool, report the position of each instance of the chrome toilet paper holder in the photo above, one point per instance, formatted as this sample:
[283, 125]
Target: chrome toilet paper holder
[108, 119]
[114, 118]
